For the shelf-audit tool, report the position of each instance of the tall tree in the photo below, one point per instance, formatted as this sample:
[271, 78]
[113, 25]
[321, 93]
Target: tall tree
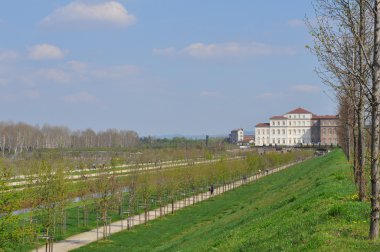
[375, 126]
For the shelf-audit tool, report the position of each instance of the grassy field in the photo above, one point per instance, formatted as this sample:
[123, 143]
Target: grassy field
[311, 206]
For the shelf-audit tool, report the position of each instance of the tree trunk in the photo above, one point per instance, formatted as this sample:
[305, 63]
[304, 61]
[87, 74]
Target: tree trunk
[360, 110]
[361, 153]
[374, 226]
[355, 151]
[348, 142]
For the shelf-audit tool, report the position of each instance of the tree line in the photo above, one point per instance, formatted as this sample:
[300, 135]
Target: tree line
[19, 137]
[346, 35]
[52, 214]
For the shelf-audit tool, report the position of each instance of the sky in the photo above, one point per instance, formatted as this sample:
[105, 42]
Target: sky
[157, 66]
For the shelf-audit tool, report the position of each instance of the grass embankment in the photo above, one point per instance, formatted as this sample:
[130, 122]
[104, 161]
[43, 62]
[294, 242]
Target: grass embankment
[311, 206]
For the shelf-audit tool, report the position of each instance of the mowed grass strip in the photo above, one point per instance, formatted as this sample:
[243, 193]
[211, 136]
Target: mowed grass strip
[311, 206]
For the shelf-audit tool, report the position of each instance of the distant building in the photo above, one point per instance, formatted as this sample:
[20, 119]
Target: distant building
[249, 139]
[298, 126]
[237, 136]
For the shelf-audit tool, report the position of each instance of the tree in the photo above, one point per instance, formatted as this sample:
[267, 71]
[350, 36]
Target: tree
[375, 126]
[49, 199]
[10, 230]
[347, 43]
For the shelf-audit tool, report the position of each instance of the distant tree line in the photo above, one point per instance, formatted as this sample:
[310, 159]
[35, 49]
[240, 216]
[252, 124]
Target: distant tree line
[16, 138]
[21, 137]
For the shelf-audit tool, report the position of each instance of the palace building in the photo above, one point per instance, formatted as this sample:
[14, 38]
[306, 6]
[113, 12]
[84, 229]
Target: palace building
[296, 127]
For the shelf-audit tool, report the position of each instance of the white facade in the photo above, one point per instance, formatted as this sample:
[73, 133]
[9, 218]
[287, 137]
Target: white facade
[290, 129]
[237, 136]
[262, 134]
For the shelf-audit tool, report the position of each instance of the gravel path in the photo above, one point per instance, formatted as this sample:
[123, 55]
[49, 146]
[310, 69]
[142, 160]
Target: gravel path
[85, 238]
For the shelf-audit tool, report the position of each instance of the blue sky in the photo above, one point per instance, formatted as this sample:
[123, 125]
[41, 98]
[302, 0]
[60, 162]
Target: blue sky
[156, 66]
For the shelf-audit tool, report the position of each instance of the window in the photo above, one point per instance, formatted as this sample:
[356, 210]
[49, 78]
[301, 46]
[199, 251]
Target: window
[290, 132]
[278, 132]
[278, 123]
[299, 131]
[283, 132]
[290, 123]
[303, 116]
[273, 132]
[273, 123]
[268, 131]
[298, 123]
[258, 132]
[278, 140]
[303, 131]
[283, 141]
[283, 123]
[294, 131]
[303, 123]
[290, 116]
[273, 141]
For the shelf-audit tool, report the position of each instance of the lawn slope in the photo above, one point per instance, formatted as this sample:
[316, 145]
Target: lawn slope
[311, 206]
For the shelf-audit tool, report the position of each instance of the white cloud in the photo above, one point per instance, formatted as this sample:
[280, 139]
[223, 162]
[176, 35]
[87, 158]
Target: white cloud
[116, 72]
[210, 94]
[306, 88]
[79, 14]
[3, 81]
[267, 95]
[45, 51]
[79, 97]
[53, 74]
[164, 51]
[9, 55]
[77, 66]
[8, 98]
[32, 95]
[226, 50]
[296, 23]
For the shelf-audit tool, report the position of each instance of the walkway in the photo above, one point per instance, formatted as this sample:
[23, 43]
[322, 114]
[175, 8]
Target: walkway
[85, 238]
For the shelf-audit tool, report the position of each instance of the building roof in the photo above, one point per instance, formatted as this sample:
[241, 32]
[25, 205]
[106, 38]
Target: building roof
[261, 125]
[299, 111]
[325, 117]
[278, 117]
[236, 130]
[248, 137]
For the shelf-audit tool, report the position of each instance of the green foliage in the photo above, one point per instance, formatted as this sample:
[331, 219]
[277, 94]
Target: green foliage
[305, 217]
[103, 196]
[10, 231]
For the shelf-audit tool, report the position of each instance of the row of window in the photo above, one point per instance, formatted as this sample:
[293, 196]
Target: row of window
[296, 116]
[328, 131]
[283, 141]
[262, 131]
[283, 131]
[329, 140]
[294, 123]
[328, 122]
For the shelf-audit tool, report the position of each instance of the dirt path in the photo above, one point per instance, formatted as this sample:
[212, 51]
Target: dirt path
[85, 238]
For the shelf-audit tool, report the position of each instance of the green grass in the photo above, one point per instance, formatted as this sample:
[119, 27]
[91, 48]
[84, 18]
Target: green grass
[308, 207]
